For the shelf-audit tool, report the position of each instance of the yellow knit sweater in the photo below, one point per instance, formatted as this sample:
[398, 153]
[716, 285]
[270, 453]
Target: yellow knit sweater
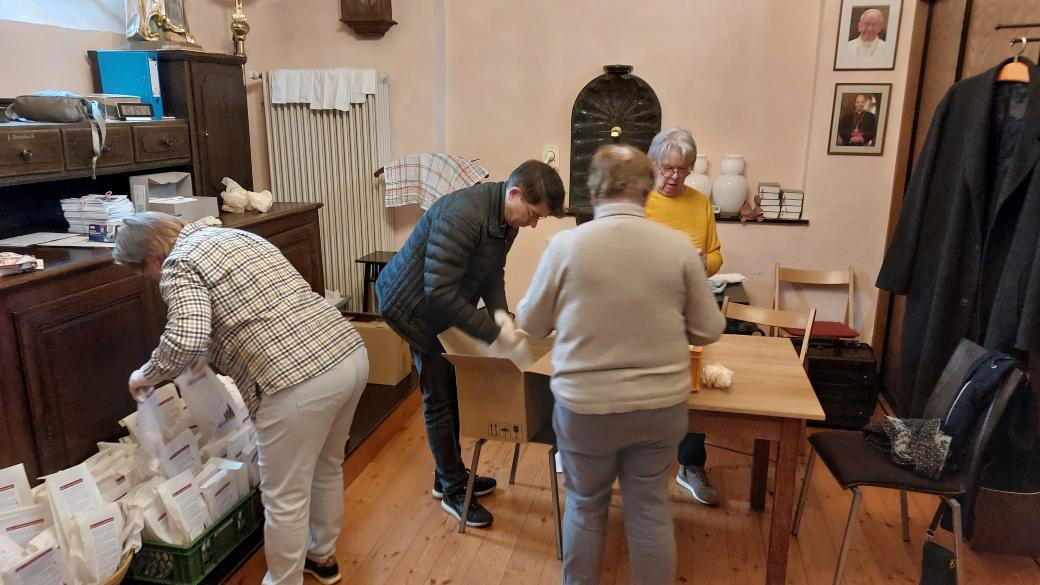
[690, 213]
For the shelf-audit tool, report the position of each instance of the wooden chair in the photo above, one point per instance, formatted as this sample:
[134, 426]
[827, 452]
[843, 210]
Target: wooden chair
[844, 278]
[854, 463]
[773, 318]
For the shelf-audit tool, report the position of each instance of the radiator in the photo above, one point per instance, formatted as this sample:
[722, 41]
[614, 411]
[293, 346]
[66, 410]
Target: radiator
[328, 157]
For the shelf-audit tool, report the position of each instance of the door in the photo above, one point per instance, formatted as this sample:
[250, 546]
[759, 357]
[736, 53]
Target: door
[221, 126]
[78, 352]
[961, 40]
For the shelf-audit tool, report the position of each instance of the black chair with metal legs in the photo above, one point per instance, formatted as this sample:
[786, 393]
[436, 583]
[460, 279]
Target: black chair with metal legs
[545, 436]
[854, 463]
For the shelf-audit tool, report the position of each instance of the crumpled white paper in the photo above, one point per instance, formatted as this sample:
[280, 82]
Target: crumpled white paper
[237, 199]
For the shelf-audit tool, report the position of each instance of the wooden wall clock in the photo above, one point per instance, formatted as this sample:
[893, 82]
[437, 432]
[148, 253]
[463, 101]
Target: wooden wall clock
[616, 107]
[368, 18]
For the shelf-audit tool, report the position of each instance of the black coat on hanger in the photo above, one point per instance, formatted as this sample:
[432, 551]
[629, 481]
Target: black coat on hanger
[965, 249]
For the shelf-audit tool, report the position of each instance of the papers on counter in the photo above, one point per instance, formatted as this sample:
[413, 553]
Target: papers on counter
[33, 239]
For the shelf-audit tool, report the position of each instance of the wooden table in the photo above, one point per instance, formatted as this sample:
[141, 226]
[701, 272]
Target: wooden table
[770, 400]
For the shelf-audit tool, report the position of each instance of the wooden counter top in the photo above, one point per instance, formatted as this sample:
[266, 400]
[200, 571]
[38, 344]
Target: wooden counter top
[64, 261]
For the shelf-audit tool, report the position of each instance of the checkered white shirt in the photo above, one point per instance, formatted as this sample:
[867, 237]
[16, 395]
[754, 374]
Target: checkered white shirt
[233, 297]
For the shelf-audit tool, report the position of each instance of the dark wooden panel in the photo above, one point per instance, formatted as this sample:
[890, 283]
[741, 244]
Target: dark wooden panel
[79, 148]
[26, 151]
[302, 247]
[77, 353]
[161, 142]
[985, 46]
[221, 126]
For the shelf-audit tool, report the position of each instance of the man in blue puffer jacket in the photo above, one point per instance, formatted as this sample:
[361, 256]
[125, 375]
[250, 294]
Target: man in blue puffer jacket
[455, 257]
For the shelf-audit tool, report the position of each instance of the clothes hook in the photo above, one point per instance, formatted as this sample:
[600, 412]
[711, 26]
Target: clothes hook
[1021, 49]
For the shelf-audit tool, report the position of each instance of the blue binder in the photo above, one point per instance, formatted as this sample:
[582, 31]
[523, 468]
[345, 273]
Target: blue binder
[132, 73]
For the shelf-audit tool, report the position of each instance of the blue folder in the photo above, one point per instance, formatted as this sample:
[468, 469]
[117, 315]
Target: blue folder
[132, 73]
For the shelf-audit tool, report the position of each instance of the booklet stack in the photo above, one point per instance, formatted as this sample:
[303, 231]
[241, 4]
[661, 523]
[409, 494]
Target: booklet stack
[770, 197]
[107, 209]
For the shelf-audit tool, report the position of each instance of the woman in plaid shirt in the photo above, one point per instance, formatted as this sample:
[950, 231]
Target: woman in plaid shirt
[233, 300]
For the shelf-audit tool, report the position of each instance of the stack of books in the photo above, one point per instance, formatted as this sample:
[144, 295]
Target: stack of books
[770, 199]
[106, 209]
[792, 204]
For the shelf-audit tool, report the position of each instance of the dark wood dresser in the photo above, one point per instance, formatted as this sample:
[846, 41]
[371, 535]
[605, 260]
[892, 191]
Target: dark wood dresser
[71, 334]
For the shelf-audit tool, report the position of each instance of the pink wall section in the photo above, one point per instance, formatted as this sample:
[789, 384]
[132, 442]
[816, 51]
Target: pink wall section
[496, 79]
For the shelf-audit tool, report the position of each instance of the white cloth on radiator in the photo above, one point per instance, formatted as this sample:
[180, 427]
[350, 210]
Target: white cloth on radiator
[323, 89]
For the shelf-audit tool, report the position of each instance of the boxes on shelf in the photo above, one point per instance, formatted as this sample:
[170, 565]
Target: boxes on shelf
[389, 357]
[497, 399]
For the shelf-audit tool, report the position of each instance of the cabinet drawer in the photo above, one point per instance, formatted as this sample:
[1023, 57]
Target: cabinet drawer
[26, 151]
[79, 148]
[152, 143]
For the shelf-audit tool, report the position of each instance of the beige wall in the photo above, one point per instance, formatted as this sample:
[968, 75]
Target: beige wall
[751, 78]
[496, 79]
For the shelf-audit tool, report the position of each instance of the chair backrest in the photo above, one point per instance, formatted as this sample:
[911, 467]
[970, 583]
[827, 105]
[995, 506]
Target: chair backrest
[816, 277]
[773, 318]
[945, 392]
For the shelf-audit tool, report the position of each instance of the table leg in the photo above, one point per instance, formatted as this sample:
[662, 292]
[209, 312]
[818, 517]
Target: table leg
[783, 501]
[759, 475]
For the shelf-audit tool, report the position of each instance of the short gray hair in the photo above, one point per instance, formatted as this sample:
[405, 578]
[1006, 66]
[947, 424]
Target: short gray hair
[673, 138]
[145, 234]
[620, 170]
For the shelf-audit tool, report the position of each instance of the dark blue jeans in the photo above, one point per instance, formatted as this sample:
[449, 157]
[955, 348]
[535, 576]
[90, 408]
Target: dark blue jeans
[692, 451]
[441, 413]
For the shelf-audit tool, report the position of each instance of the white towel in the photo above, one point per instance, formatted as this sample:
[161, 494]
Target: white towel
[324, 89]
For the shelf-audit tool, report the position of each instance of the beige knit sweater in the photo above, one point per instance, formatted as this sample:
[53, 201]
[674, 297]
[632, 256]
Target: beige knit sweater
[626, 296]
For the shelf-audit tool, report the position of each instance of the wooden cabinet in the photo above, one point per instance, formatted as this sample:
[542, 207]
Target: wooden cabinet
[79, 148]
[71, 334]
[26, 151]
[209, 91]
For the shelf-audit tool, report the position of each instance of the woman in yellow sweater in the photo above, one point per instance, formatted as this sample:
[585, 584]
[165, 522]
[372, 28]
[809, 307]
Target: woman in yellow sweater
[677, 206]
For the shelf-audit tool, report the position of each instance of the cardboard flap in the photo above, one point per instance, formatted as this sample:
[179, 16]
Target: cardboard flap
[167, 178]
[493, 364]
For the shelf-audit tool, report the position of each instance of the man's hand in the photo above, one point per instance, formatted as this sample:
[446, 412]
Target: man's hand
[140, 387]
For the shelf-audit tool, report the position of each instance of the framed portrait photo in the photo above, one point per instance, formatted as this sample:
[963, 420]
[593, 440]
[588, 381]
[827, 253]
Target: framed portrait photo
[867, 35]
[859, 118]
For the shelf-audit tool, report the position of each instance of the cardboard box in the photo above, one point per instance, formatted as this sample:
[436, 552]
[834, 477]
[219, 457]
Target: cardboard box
[389, 357]
[171, 193]
[497, 399]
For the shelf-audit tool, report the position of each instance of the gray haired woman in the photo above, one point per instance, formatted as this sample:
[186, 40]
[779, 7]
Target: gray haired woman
[626, 296]
[233, 300]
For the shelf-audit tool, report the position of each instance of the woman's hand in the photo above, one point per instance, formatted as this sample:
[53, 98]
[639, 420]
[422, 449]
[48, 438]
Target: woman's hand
[140, 387]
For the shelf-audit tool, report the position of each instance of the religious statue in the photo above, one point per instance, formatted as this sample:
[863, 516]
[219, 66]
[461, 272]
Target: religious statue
[158, 21]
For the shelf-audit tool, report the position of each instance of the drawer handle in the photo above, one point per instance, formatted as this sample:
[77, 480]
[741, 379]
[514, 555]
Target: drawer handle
[27, 154]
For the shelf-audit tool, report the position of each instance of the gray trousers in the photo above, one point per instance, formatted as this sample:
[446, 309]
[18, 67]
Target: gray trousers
[638, 449]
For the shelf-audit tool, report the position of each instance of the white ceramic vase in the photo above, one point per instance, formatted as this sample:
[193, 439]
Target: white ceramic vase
[731, 188]
[699, 179]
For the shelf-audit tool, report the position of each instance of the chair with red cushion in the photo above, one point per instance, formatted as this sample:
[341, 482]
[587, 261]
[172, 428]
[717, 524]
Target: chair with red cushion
[844, 278]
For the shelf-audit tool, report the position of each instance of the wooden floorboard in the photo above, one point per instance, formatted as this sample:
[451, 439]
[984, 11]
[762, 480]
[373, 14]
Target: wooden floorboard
[395, 533]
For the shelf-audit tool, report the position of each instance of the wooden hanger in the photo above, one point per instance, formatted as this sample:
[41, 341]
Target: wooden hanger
[1015, 71]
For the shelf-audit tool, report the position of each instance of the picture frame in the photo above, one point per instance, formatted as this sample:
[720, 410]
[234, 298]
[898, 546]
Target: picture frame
[859, 118]
[135, 111]
[868, 35]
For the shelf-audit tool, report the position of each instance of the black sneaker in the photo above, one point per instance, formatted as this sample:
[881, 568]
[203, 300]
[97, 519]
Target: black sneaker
[482, 486]
[324, 574]
[476, 516]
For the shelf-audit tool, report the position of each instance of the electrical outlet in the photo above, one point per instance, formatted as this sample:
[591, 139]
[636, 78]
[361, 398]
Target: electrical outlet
[551, 155]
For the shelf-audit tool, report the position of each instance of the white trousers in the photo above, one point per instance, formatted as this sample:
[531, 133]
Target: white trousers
[302, 435]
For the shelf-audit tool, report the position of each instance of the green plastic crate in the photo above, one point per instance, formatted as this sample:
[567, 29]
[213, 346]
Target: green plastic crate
[159, 562]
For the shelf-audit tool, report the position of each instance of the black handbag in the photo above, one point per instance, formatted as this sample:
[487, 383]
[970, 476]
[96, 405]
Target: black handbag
[938, 563]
